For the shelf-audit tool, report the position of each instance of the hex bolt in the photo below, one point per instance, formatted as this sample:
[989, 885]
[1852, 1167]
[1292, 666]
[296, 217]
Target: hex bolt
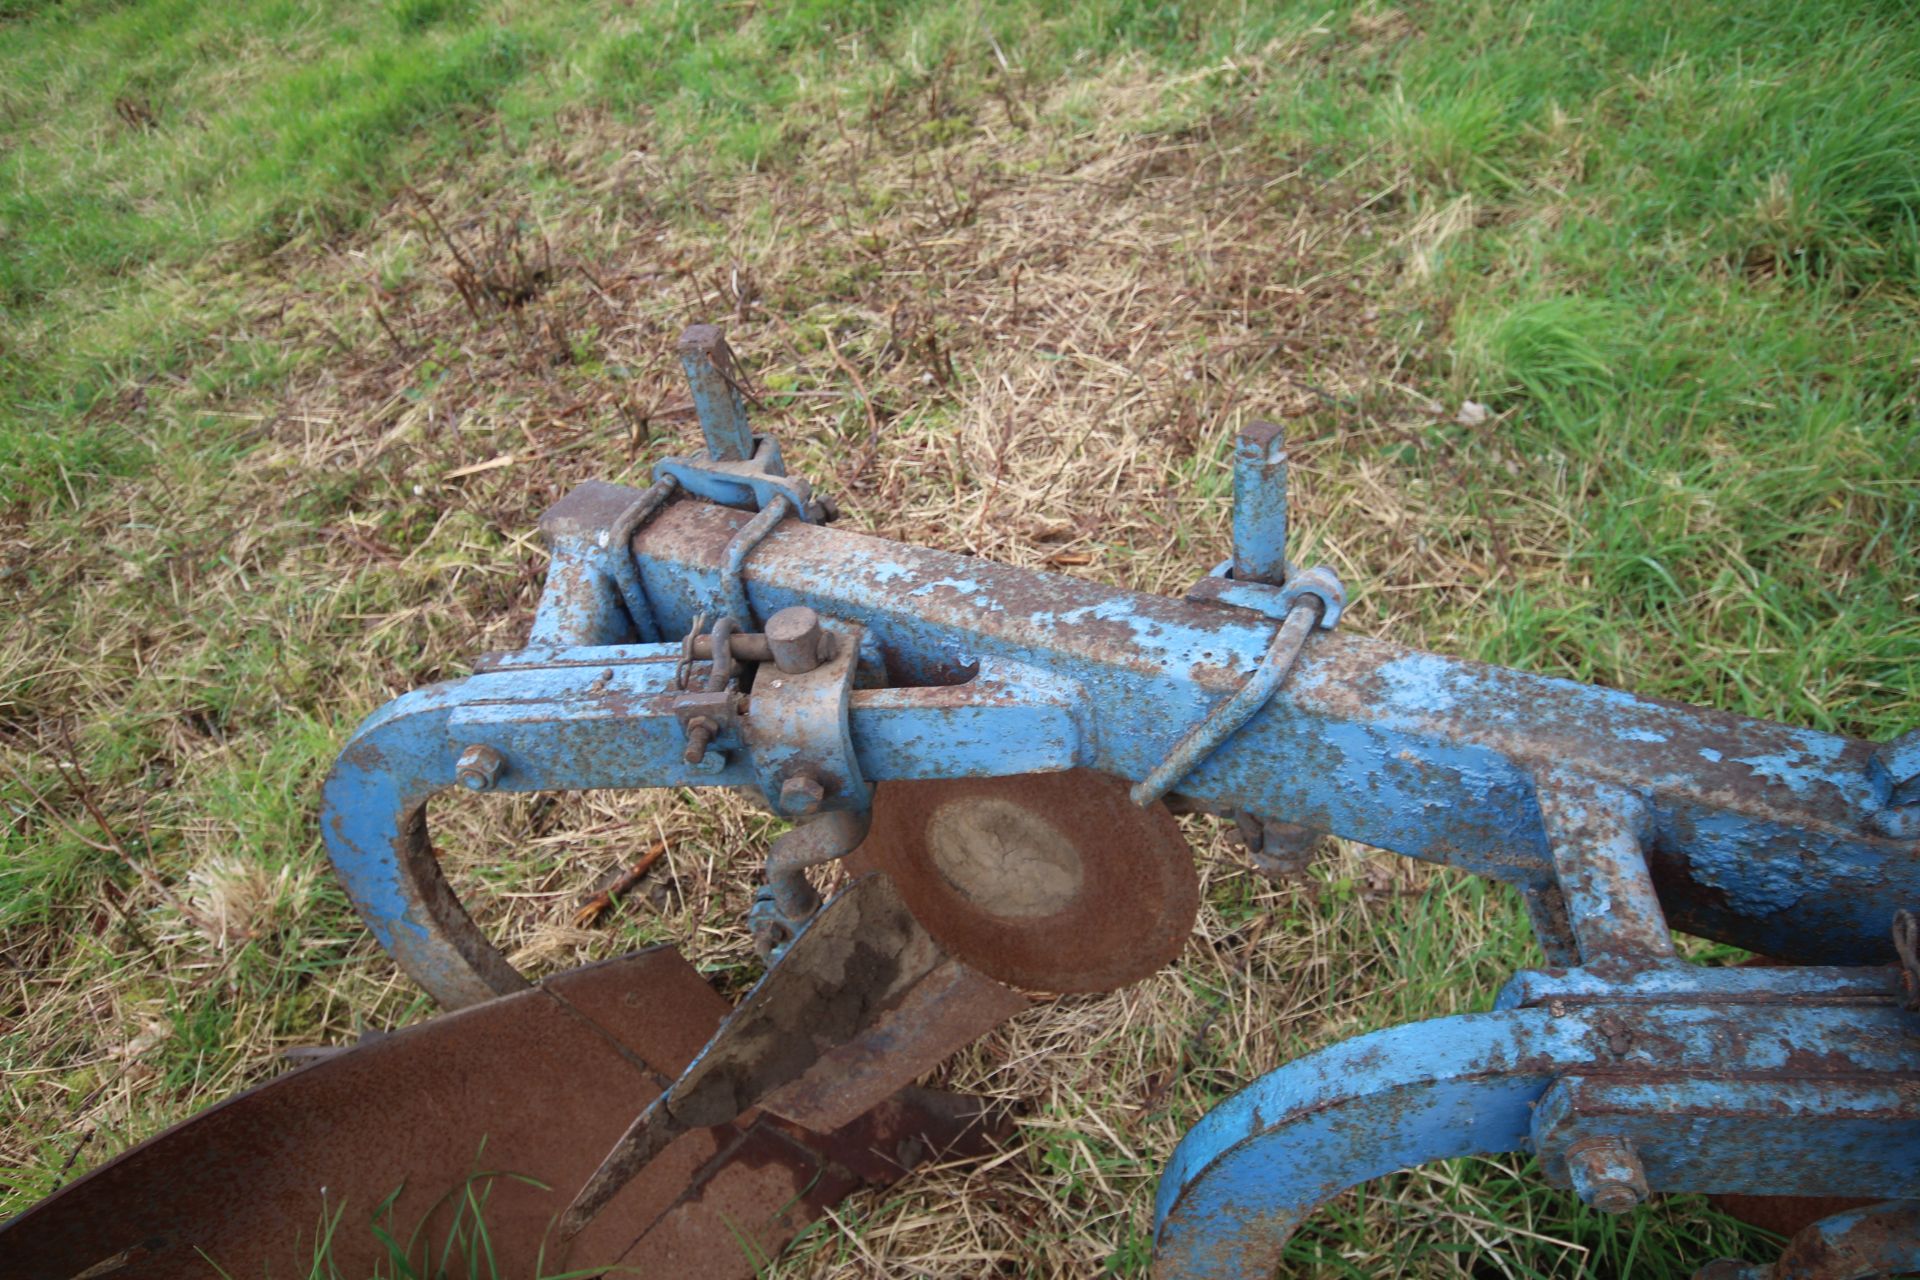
[1285, 850]
[801, 794]
[479, 767]
[1606, 1174]
[700, 733]
[794, 636]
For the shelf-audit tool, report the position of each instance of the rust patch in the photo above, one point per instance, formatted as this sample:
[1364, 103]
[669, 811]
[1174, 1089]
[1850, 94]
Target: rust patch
[1137, 897]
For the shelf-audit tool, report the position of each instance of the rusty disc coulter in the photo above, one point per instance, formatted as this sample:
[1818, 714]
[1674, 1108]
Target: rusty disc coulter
[1049, 882]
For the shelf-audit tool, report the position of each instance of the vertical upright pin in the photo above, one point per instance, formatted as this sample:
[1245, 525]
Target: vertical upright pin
[716, 393]
[1260, 504]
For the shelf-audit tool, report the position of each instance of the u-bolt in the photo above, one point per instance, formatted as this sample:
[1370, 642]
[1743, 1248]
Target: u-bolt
[1226, 718]
[819, 839]
[733, 589]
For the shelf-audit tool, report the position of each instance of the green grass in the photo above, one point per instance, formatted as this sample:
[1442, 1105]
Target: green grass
[1674, 249]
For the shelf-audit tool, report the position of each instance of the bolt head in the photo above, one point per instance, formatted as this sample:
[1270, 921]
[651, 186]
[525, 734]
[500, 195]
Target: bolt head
[1606, 1173]
[801, 794]
[1615, 1197]
[479, 767]
[793, 623]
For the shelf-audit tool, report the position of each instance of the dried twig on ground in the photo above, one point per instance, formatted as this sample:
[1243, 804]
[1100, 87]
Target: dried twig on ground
[600, 903]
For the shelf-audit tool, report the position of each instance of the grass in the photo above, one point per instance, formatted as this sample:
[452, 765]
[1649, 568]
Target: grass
[1671, 250]
[450, 1236]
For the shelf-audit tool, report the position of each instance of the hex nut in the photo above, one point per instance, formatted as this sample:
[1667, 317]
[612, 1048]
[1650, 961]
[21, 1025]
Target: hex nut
[1606, 1174]
[479, 767]
[801, 794]
[1285, 850]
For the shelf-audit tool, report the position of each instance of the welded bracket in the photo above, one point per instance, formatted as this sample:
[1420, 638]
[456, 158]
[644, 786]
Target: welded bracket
[750, 485]
[797, 731]
[593, 593]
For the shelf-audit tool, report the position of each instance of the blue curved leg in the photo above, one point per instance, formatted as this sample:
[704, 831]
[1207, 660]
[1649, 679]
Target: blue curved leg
[1252, 1169]
[565, 728]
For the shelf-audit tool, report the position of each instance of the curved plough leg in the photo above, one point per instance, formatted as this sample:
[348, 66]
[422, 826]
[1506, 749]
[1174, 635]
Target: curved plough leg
[1245, 1177]
[569, 728]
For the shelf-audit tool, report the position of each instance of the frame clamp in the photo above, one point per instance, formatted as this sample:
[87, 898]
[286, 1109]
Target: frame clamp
[739, 469]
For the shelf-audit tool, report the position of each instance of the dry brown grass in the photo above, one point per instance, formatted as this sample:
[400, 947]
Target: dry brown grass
[1023, 327]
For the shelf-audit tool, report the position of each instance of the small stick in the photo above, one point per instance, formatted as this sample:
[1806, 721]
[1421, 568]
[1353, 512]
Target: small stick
[596, 906]
[380, 314]
[73, 1157]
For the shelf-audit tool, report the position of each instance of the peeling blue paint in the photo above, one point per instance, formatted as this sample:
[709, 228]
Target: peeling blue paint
[1623, 809]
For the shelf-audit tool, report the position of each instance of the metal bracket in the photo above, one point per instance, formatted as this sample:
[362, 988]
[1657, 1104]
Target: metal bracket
[709, 717]
[796, 727]
[749, 485]
[1597, 836]
[740, 469]
[1678, 1130]
[1270, 601]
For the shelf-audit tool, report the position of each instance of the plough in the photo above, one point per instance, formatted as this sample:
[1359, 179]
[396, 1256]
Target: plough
[993, 753]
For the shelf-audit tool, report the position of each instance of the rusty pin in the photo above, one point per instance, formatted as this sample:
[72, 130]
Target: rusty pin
[1606, 1174]
[795, 639]
[479, 767]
